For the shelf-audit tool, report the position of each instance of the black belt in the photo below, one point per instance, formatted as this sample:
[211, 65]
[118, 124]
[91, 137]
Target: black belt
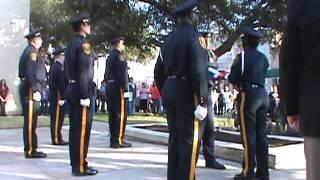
[254, 86]
[72, 81]
[177, 77]
[245, 86]
[111, 81]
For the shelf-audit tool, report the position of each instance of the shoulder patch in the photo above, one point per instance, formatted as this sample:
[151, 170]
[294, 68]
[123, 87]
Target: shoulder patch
[203, 42]
[33, 56]
[86, 48]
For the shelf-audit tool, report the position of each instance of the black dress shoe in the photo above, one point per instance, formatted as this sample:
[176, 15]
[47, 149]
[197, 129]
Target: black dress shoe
[35, 154]
[88, 172]
[61, 143]
[259, 177]
[243, 177]
[215, 165]
[123, 145]
[64, 143]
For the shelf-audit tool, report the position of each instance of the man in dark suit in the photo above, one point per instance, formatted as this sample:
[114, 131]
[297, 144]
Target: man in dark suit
[300, 77]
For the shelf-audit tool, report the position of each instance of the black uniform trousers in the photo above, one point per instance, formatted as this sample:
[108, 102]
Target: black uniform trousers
[253, 117]
[117, 112]
[3, 109]
[184, 129]
[56, 117]
[207, 134]
[30, 110]
[80, 129]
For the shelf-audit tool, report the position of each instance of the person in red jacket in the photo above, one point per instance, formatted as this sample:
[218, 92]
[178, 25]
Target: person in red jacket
[155, 97]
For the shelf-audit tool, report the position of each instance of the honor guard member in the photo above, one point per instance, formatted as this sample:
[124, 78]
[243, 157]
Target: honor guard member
[248, 74]
[116, 76]
[57, 87]
[79, 72]
[181, 74]
[207, 125]
[30, 95]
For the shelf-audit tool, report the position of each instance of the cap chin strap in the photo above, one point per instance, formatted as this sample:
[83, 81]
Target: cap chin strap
[242, 63]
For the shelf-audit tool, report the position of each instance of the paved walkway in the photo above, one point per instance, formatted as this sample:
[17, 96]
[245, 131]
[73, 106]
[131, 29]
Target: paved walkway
[142, 162]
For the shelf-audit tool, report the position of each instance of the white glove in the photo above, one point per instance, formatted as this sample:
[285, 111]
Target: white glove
[37, 96]
[201, 112]
[85, 102]
[61, 102]
[126, 94]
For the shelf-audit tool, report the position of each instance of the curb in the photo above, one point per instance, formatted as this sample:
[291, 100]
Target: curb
[223, 150]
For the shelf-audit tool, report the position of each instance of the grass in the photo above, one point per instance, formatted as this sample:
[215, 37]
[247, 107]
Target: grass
[135, 119]
[11, 122]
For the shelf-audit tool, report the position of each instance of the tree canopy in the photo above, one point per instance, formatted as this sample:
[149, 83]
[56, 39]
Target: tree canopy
[145, 23]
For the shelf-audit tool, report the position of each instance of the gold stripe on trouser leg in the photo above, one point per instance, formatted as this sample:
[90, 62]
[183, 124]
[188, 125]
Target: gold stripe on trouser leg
[244, 134]
[30, 121]
[121, 117]
[82, 139]
[194, 144]
[56, 140]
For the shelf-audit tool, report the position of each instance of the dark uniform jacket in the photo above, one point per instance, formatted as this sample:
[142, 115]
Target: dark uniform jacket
[79, 65]
[184, 55]
[117, 69]
[255, 68]
[56, 79]
[41, 74]
[300, 64]
[28, 67]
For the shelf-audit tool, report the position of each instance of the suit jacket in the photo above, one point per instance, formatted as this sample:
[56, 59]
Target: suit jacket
[300, 64]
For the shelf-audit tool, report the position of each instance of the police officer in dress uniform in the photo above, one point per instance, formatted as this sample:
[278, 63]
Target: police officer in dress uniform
[207, 126]
[57, 98]
[30, 95]
[116, 76]
[41, 77]
[79, 72]
[182, 78]
[248, 76]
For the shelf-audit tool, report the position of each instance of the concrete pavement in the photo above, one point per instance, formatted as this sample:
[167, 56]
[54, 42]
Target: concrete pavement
[144, 161]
